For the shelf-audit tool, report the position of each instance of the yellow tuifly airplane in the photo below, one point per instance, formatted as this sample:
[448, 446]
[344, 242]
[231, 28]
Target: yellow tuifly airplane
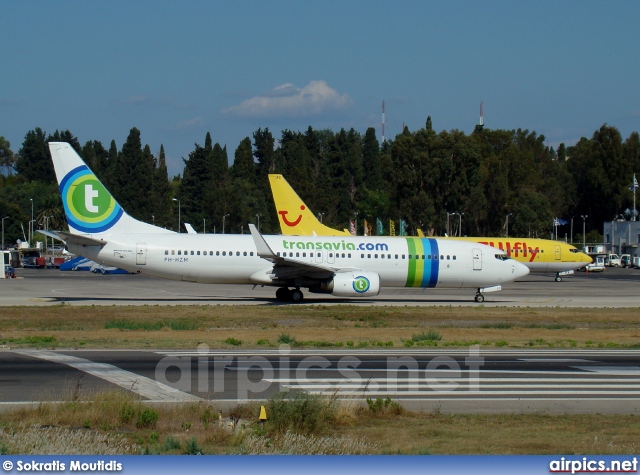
[539, 255]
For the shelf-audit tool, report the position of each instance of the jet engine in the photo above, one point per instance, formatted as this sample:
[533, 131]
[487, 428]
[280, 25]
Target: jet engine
[350, 284]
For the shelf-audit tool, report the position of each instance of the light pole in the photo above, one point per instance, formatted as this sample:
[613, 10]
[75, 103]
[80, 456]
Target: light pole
[571, 229]
[258, 216]
[153, 219]
[176, 199]
[320, 215]
[204, 225]
[30, 222]
[6, 217]
[223, 218]
[507, 224]
[460, 224]
[584, 238]
[448, 214]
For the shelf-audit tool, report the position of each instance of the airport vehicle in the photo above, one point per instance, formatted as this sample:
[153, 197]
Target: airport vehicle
[99, 229]
[596, 266]
[612, 260]
[625, 260]
[539, 255]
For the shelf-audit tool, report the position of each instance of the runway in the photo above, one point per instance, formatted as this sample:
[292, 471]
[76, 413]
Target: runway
[448, 381]
[462, 381]
[612, 288]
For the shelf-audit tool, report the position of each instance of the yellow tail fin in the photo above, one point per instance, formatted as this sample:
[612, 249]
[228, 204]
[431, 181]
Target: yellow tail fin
[296, 219]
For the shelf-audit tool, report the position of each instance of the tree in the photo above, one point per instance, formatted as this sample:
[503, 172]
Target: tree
[34, 161]
[162, 194]
[7, 158]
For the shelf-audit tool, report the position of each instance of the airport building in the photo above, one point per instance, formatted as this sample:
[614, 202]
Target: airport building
[621, 237]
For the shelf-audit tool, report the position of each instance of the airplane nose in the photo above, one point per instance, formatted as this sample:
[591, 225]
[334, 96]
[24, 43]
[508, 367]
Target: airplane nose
[520, 270]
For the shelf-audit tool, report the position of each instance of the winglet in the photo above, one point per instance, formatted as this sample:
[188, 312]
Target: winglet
[262, 247]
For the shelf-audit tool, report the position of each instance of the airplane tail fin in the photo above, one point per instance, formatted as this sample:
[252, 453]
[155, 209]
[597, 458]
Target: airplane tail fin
[88, 206]
[296, 219]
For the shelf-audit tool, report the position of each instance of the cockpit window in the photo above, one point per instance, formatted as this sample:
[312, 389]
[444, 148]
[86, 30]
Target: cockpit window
[502, 257]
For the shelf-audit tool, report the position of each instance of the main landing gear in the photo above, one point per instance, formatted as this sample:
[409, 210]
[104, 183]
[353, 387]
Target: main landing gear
[479, 297]
[558, 278]
[289, 295]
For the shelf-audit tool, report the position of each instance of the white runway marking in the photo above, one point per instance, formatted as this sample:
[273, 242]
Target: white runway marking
[141, 385]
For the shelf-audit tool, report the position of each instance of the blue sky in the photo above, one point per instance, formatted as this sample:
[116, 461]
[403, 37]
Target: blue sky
[177, 70]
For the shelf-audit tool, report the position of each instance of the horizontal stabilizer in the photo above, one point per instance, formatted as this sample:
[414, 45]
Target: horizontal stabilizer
[77, 239]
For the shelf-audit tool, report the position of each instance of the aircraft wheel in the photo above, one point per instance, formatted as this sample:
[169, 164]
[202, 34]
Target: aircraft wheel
[479, 298]
[296, 295]
[558, 278]
[282, 294]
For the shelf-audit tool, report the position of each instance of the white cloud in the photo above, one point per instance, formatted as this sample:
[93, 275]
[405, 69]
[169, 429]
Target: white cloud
[287, 100]
[192, 123]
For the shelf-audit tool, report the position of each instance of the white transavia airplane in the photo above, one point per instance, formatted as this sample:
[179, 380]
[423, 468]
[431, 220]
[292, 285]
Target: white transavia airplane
[101, 230]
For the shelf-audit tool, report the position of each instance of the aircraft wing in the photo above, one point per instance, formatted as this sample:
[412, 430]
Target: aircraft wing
[69, 238]
[287, 268]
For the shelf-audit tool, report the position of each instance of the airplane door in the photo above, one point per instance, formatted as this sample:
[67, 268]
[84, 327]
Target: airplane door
[558, 253]
[331, 258]
[141, 253]
[319, 256]
[477, 259]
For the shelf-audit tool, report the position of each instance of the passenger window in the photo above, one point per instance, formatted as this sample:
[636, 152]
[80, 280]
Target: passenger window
[381, 256]
[410, 256]
[429, 257]
[166, 253]
[173, 252]
[304, 254]
[396, 256]
[224, 253]
[375, 255]
[448, 257]
[244, 253]
[237, 253]
[331, 254]
[349, 255]
[251, 253]
[217, 253]
[368, 256]
[454, 257]
[179, 253]
[192, 252]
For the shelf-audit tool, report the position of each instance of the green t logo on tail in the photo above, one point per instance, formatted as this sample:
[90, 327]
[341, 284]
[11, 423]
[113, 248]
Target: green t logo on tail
[88, 205]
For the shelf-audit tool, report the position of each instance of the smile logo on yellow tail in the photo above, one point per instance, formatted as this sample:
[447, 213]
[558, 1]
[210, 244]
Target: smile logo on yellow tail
[88, 205]
[291, 224]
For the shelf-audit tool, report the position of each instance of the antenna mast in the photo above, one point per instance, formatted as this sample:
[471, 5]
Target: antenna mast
[383, 121]
[481, 113]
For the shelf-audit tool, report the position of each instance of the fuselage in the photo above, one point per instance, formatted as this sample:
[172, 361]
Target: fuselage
[539, 255]
[233, 259]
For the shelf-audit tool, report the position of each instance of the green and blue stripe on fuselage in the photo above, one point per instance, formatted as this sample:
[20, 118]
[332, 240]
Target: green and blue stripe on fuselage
[424, 262]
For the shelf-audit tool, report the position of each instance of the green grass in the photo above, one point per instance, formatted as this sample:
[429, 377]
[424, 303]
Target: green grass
[431, 335]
